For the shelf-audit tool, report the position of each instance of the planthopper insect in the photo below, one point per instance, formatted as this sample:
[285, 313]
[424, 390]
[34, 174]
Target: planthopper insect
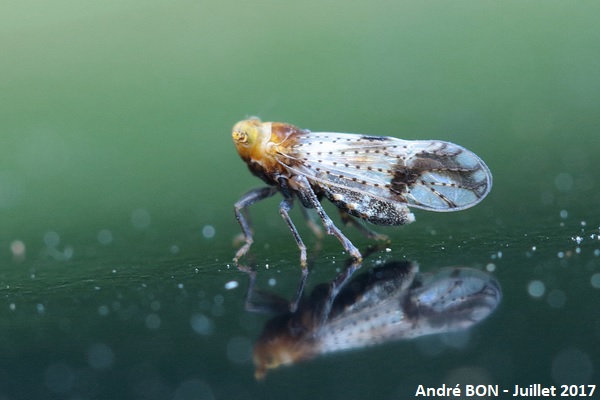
[369, 178]
[387, 303]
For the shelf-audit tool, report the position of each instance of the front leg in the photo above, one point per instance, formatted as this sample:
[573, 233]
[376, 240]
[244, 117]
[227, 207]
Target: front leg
[247, 200]
[301, 184]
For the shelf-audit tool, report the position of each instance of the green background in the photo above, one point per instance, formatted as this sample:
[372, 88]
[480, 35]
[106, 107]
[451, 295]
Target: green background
[118, 174]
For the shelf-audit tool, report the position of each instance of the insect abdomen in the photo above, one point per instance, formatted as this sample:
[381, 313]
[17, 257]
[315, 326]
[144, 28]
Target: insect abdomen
[370, 208]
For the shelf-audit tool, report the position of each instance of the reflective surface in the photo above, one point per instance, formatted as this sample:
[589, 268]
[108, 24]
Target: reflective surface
[118, 179]
[385, 304]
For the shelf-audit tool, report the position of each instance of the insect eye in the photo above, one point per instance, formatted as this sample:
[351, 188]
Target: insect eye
[240, 136]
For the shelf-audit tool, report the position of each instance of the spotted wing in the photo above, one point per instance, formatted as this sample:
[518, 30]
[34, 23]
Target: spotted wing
[451, 299]
[429, 174]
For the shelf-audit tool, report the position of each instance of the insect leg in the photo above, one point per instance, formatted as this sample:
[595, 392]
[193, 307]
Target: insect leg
[293, 305]
[336, 285]
[304, 186]
[311, 223]
[258, 301]
[347, 219]
[247, 200]
[284, 207]
[248, 305]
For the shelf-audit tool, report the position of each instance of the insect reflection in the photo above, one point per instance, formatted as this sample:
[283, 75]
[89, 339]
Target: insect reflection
[387, 303]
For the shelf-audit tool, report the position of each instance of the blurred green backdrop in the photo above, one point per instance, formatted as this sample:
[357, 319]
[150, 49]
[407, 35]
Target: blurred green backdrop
[115, 122]
[107, 107]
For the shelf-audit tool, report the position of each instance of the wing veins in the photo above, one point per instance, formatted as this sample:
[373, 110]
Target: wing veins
[327, 183]
[351, 175]
[443, 197]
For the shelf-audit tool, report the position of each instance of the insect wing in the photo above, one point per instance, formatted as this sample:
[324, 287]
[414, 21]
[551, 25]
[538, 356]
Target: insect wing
[442, 176]
[449, 300]
[365, 326]
[454, 298]
[368, 310]
[433, 175]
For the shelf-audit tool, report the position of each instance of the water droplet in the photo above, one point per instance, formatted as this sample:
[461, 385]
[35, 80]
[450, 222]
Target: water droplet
[596, 280]
[231, 285]
[219, 299]
[563, 182]
[105, 236]
[17, 248]
[51, 239]
[140, 218]
[536, 288]
[155, 305]
[201, 324]
[153, 322]
[208, 231]
[100, 356]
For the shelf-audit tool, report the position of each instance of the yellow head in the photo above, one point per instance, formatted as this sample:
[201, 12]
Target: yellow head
[251, 137]
[265, 359]
[279, 351]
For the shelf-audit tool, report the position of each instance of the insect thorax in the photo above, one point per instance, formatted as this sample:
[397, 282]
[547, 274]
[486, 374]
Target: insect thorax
[258, 170]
